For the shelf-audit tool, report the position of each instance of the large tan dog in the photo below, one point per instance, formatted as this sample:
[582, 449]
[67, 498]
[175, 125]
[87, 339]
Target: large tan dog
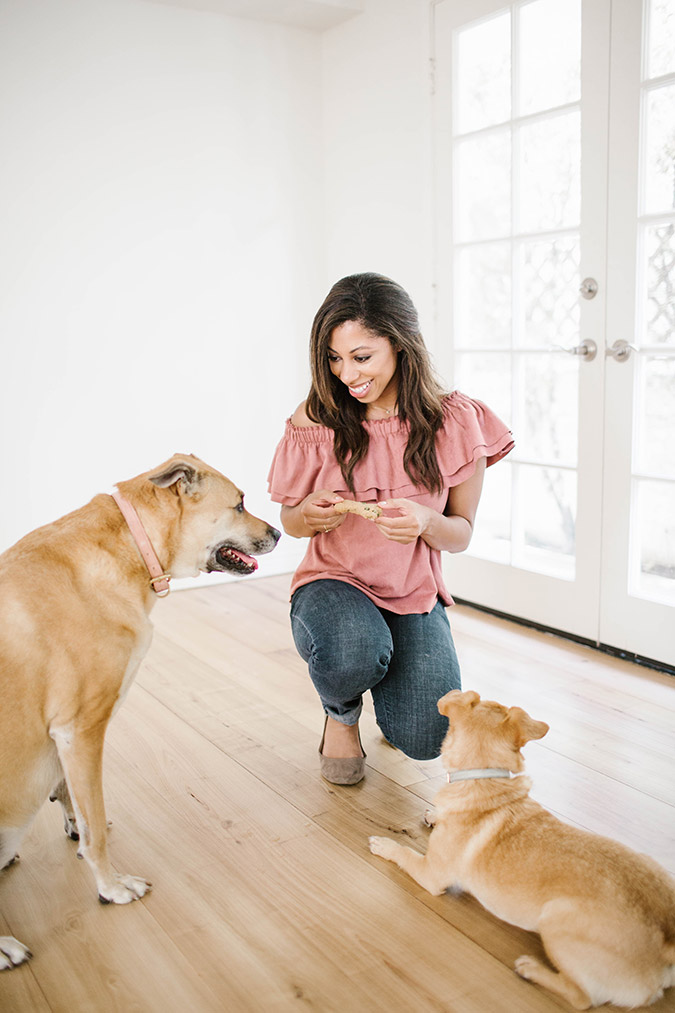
[606, 914]
[75, 598]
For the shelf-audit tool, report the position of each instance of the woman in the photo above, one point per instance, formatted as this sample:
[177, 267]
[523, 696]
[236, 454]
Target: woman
[368, 599]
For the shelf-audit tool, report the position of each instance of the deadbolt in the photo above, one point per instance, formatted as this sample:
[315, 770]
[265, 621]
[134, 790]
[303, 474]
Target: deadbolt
[589, 288]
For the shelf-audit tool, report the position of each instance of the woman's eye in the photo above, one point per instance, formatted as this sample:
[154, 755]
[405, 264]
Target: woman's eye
[361, 358]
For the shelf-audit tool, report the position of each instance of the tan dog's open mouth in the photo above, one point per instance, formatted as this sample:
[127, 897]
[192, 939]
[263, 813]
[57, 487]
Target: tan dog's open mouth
[226, 557]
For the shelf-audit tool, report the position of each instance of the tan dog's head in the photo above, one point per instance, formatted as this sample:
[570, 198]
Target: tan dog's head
[201, 517]
[483, 733]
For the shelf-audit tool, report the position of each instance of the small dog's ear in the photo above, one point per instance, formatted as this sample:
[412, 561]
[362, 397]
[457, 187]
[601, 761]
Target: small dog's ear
[523, 727]
[456, 698]
[177, 473]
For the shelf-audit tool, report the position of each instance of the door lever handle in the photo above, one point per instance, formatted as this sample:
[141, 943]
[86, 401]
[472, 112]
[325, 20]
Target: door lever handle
[587, 349]
[620, 351]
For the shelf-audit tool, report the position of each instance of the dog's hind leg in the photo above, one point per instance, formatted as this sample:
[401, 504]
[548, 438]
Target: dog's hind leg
[61, 794]
[12, 952]
[417, 866]
[556, 982]
[81, 755]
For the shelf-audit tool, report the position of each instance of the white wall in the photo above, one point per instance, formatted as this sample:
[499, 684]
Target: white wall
[378, 150]
[160, 245]
[178, 191]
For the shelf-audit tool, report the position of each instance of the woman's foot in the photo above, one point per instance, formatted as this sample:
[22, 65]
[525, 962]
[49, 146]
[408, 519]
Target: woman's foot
[341, 741]
[341, 754]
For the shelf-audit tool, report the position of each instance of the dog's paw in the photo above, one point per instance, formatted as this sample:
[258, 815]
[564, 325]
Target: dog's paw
[12, 953]
[124, 890]
[430, 817]
[383, 846]
[527, 967]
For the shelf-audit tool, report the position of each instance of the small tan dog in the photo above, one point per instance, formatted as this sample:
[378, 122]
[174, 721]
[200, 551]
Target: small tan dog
[606, 915]
[75, 598]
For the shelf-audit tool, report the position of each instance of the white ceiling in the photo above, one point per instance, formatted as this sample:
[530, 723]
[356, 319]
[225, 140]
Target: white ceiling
[317, 15]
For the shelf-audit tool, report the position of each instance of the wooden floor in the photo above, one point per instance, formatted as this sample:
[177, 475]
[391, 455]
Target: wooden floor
[265, 896]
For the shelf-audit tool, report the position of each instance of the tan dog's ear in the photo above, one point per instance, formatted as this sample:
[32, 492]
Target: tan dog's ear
[456, 698]
[523, 727]
[179, 473]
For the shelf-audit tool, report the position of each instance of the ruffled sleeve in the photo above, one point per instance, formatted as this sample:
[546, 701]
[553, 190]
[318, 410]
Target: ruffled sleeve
[470, 431]
[303, 462]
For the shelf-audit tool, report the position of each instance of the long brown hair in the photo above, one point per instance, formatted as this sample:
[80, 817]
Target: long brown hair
[386, 309]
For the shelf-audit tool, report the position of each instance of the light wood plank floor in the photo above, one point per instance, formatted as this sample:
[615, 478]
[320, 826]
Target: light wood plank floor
[265, 895]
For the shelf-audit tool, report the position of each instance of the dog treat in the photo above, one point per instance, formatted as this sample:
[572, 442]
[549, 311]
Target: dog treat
[349, 506]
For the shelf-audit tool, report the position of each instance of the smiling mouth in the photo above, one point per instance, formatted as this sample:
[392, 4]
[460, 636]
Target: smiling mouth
[361, 390]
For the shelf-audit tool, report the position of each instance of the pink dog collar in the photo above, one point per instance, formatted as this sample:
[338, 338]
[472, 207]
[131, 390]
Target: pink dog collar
[159, 580]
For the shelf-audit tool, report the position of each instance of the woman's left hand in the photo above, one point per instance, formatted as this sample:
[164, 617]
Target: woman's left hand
[449, 531]
[409, 524]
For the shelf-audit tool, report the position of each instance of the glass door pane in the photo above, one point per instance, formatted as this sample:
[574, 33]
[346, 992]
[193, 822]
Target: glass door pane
[512, 112]
[517, 190]
[652, 566]
[639, 575]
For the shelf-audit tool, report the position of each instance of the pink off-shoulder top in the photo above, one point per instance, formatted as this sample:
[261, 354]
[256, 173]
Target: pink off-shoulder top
[400, 578]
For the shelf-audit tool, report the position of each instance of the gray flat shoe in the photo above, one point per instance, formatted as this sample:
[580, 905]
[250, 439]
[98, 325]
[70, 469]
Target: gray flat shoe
[341, 770]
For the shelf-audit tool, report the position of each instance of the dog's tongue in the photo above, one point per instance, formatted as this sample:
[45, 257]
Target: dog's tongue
[248, 560]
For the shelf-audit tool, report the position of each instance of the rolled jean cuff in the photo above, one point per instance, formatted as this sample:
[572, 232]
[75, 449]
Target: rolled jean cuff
[345, 714]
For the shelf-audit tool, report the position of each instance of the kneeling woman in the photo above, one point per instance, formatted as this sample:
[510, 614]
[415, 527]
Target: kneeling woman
[368, 602]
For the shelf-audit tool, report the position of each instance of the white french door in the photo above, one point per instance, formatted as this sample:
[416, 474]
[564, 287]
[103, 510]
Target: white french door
[638, 575]
[555, 242]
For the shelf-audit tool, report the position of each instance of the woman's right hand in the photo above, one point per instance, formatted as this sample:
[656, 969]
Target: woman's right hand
[318, 513]
[313, 515]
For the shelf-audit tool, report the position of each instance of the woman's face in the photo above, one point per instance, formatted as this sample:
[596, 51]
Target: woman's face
[365, 362]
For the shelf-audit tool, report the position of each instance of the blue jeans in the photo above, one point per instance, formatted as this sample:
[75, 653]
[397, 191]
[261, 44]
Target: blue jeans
[407, 662]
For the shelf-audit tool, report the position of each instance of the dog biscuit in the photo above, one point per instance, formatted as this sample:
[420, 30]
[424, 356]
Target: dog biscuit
[349, 506]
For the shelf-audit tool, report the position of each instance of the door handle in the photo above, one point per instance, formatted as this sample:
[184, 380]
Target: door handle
[620, 351]
[587, 349]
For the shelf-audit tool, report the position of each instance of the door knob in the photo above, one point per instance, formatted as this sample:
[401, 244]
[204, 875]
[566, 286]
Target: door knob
[620, 350]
